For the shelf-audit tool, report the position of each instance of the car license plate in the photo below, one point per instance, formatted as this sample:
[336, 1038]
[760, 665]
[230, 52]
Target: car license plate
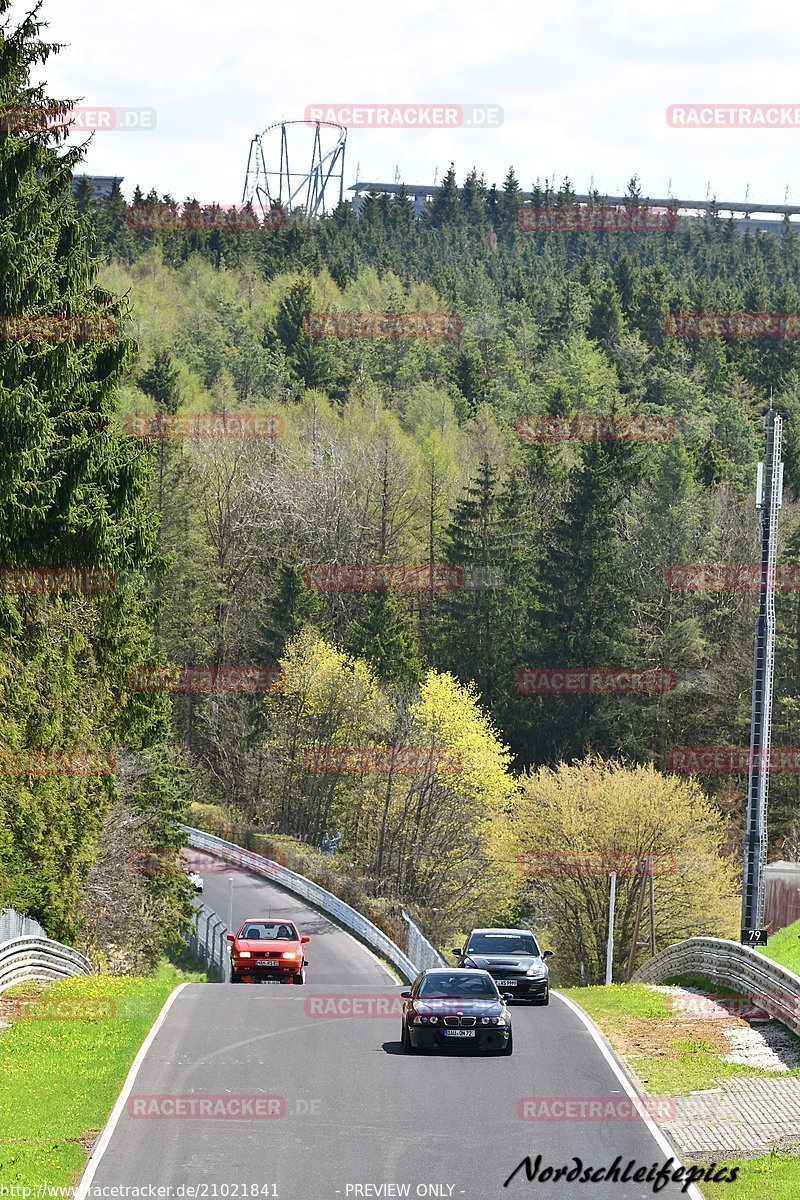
[459, 1033]
[507, 982]
[268, 962]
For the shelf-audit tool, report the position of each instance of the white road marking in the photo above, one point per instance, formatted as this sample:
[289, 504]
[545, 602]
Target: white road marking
[116, 1112]
[655, 1132]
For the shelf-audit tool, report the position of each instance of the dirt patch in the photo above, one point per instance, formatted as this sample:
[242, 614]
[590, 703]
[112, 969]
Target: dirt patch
[663, 1037]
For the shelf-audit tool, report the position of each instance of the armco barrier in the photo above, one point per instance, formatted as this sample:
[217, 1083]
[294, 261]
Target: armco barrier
[730, 965]
[26, 958]
[341, 912]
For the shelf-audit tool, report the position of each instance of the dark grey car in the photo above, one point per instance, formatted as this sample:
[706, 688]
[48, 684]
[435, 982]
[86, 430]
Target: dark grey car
[513, 959]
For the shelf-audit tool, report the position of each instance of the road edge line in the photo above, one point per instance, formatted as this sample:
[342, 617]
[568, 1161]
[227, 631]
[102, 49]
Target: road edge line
[611, 1058]
[93, 1162]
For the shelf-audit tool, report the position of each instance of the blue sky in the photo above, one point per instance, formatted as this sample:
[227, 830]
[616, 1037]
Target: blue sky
[584, 85]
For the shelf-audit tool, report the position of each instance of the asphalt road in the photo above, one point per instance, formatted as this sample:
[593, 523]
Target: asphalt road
[350, 1115]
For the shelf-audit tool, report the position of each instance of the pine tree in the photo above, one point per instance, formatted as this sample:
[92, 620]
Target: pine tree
[485, 620]
[160, 382]
[584, 608]
[446, 206]
[293, 607]
[73, 495]
[384, 635]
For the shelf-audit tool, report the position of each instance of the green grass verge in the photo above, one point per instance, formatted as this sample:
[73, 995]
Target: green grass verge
[61, 1070]
[784, 947]
[692, 1066]
[776, 1176]
[683, 1062]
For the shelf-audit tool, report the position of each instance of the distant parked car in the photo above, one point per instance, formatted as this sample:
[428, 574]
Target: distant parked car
[448, 1007]
[513, 959]
[268, 949]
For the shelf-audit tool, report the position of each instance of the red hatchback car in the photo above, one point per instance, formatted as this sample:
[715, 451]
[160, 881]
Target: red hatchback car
[265, 948]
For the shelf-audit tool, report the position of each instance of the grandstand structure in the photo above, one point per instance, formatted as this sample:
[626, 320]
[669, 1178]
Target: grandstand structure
[764, 216]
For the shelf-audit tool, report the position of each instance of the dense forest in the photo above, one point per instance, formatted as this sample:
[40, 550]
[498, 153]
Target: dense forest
[399, 452]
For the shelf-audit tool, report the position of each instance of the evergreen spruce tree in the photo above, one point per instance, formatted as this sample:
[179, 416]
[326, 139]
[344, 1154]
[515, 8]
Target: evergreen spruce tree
[73, 496]
[584, 607]
[384, 635]
[485, 622]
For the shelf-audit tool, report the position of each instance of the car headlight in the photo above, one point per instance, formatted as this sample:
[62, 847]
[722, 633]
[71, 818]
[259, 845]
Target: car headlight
[290, 954]
[243, 953]
[489, 1020]
[537, 972]
[432, 1020]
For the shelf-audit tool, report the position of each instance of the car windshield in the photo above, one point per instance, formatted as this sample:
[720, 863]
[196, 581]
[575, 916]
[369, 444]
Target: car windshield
[458, 985]
[502, 943]
[262, 931]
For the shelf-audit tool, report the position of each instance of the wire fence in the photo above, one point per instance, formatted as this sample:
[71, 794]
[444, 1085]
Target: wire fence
[208, 942]
[422, 953]
[14, 924]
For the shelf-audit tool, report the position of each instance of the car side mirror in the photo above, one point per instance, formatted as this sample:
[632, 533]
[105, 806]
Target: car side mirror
[304, 939]
[508, 995]
[231, 937]
[548, 953]
[406, 995]
[457, 951]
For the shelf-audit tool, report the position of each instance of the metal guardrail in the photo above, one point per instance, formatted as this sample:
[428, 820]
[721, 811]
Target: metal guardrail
[352, 920]
[420, 950]
[26, 957]
[771, 986]
[208, 941]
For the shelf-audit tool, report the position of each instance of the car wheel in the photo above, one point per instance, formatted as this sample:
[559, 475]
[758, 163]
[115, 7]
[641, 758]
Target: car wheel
[234, 977]
[407, 1047]
[299, 978]
[545, 999]
[509, 1046]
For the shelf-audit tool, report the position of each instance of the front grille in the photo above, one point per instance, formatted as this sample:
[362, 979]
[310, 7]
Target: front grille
[456, 1022]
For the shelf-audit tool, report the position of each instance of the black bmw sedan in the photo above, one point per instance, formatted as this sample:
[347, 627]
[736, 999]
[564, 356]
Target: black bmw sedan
[513, 959]
[448, 1007]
